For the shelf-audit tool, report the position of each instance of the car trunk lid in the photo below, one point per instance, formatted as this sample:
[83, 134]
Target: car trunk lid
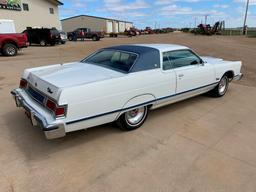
[51, 80]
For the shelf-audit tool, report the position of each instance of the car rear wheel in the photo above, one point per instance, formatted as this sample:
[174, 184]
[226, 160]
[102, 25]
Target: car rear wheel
[95, 38]
[10, 50]
[70, 38]
[43, 42]
[221, 89]
[133, 119]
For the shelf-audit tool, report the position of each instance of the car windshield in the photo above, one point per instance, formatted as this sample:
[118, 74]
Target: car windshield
[113, 59]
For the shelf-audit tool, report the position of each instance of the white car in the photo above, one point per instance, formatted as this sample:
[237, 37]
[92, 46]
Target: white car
[121, 84]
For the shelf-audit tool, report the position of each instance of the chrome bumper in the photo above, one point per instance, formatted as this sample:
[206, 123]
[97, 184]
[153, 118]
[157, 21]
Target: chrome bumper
[51, 131]
[238, 77]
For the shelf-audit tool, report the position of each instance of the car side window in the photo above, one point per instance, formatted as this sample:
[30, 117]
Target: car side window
[181, 58]
[166, 61]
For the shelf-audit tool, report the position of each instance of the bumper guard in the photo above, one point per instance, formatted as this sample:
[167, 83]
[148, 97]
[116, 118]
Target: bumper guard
[51, 131]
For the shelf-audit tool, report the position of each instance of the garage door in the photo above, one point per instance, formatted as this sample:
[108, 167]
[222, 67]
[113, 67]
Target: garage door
[109, 27]
[116, 30]
[121, 26]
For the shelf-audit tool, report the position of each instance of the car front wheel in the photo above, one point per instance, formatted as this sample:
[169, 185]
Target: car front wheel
[221, 89]
[133, 119]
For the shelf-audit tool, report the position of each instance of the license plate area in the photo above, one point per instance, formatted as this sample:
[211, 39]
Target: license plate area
[30, 116]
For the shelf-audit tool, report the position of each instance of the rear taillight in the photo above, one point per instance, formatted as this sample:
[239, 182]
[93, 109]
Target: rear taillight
[23, 83]
[59, 111]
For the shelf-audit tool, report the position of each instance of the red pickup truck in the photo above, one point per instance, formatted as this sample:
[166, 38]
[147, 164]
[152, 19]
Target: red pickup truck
[11, 43]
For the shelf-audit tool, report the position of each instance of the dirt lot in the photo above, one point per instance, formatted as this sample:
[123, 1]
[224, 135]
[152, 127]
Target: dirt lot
[202, 144]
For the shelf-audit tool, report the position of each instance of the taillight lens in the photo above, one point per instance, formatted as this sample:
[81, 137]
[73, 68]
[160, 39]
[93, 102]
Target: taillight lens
[59, 111]
[23, 83]
[51, 105]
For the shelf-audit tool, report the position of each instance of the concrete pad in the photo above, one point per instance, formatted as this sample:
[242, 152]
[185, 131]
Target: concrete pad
[158, 156]
[221, 116]
[216, 172]
[158, 169]
[240, 143]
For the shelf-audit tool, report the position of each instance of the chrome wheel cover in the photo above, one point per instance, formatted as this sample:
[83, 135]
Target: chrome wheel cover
[223, 85]
[11, 51]
[42, 43]
[135, 116]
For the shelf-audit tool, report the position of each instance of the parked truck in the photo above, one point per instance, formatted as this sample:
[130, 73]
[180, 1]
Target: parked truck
[85, 33]
[10, 41]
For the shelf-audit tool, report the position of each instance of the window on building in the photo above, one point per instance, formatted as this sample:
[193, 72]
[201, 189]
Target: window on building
[25, 7]
[51, 11]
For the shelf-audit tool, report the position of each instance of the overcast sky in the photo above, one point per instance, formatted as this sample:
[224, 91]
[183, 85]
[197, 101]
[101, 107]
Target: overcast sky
[164, 13]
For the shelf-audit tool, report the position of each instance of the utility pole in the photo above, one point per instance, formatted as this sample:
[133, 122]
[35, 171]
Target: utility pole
[245, 17]
[205, 19]
[195, 22]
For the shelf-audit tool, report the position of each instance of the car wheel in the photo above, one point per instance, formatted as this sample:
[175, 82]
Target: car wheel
[221, 89]
[133, 119]
[95, 38]
[10, 50]
[70, 38]
[63, 42]
[43, 43]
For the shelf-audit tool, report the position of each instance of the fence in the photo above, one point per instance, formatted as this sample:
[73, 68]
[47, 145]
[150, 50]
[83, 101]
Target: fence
[232, 32]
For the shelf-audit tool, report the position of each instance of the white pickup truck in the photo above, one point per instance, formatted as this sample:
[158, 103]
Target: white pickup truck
[121, 84]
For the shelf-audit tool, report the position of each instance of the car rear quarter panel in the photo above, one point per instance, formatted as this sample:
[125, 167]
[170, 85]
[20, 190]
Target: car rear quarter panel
[107, 98]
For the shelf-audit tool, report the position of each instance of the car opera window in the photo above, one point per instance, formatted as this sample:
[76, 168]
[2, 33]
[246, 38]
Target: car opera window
[114, 59]
[181, 58]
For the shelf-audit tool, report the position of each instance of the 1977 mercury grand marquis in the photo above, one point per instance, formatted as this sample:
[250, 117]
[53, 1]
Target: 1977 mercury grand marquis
[120, 83]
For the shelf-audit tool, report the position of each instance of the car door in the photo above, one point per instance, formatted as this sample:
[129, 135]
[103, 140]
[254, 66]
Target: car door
[168, 78]
[191, 72]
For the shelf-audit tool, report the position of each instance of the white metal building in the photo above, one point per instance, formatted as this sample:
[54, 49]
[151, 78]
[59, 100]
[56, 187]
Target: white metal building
[95, 24]
[31, 13]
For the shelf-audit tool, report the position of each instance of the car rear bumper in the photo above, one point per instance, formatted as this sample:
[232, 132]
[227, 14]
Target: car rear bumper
[238, 77]
[51, 130]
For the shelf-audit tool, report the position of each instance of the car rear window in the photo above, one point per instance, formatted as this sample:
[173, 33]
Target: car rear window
[113, 59]
[54, 31]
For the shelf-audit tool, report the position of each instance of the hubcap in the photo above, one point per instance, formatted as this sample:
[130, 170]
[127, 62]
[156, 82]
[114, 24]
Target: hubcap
[222, 85]
[134, 117]
[11, 50]
[42, 43]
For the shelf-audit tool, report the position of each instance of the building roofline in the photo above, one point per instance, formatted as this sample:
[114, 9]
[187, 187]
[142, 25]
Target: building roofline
[58, 2]
[95, 17]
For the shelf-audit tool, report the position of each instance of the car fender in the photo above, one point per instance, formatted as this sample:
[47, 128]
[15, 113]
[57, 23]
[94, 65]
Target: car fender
[9, 40]
[140, 100]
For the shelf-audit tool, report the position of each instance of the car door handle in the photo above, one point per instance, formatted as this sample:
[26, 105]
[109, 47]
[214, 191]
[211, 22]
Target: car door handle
[181, 75]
